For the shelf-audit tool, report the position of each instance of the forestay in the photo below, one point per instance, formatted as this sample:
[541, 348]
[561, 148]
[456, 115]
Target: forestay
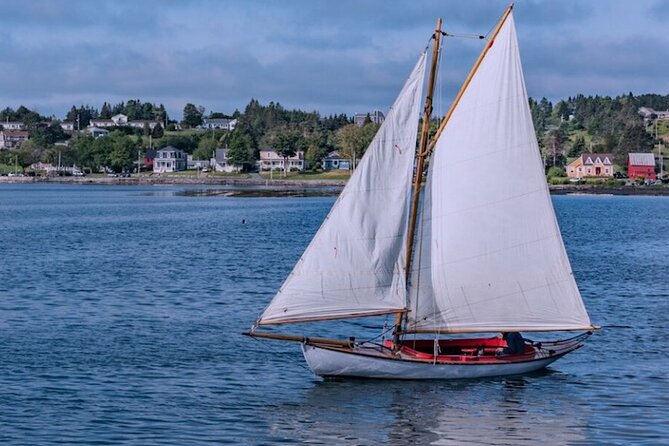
[490, 254]
[354, 264]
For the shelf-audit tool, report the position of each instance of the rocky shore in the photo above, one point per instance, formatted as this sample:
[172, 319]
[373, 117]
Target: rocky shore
[274, 186]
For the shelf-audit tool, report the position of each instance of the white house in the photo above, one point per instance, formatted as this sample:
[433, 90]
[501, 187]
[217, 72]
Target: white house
[97, 132]
[218, 123]
[169, 159]
[12, 125]
[141, 123]
[271, 160]
[68, 126]
[120, 119]
[102, 123]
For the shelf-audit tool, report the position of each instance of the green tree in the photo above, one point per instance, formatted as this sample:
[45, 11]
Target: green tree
[285, 143]
[240, 151]
[192, 115]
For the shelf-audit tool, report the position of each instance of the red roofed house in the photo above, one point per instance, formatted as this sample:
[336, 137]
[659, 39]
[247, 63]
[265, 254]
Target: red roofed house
[591, 165]
[641, 165]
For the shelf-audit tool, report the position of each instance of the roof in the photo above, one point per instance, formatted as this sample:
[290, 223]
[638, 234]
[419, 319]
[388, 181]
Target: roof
[15, 133]
[642, 159]
[596, 158]
[334, 155]
[169, 148]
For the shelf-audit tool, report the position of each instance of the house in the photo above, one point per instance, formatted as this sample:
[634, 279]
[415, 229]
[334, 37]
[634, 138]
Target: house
[334, 161]
[10, 139]
[149, 157]
[220, 162]
[376, 116]
[196, 164]
[218, 123]
[142, 123]
[641, 165]
[119, 119]
[67, 126]
[591, 165]
[271, 160]
[169, 159]
[650, 114]
[97, 132]
[102, 123]
[12, 125]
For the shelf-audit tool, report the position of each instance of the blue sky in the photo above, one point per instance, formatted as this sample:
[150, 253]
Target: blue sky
[340, 56]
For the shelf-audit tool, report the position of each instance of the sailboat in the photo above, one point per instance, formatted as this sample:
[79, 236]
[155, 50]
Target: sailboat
[451, 257]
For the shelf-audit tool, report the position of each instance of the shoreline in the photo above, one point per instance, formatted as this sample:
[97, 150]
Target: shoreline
[288, 184]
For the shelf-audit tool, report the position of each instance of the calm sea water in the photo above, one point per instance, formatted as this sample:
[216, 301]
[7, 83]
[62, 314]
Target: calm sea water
[121, 310]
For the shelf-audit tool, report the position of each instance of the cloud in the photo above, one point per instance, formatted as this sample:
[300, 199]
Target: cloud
[346, 56]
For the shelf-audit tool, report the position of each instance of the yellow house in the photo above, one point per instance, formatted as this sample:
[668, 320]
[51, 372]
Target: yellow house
[591, 165]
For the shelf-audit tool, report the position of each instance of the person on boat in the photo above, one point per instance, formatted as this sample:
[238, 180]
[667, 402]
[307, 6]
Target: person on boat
[515, 344]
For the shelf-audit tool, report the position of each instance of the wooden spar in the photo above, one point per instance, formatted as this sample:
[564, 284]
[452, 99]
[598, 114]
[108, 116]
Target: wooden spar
[469, 78]
[332, 318]
[418, 175]
[496, 330]
[303, 339]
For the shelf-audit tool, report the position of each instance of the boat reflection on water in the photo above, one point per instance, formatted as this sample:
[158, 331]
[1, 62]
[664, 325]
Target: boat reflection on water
[512, 410]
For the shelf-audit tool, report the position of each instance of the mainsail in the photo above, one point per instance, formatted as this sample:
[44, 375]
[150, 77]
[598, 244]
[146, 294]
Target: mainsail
[354, 264]
[489, 254]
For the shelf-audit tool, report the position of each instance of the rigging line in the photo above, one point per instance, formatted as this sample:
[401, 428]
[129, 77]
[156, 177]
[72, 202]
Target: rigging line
[464, 35]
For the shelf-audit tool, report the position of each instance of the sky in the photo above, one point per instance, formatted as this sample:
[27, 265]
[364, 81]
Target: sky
[331, 56]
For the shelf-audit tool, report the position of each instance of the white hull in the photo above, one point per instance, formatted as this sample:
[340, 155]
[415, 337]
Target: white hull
[369, 363]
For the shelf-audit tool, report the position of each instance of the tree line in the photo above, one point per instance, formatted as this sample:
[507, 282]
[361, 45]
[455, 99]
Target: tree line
[565, 129]
[598, 124]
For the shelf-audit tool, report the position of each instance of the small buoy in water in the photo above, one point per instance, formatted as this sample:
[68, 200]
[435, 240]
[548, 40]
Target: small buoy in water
[243, 221]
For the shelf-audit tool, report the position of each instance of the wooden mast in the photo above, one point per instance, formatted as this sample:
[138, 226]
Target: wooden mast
[469, 78]
[420, 161]
[424, 149]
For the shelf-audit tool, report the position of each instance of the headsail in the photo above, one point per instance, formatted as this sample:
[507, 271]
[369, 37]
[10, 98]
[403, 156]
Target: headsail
[354, 264]
[491, 253]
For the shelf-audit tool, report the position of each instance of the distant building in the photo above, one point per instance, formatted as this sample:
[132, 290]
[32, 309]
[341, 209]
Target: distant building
[149, 157]
[650, 114]
[120, 119]
[334, 161]
[196, 164]
[67, 126]
[12, 125]
[96, 132]
[218, 123]
[10, 139]
[169, 159]
[591, 165]
[271, 160]
[220, 162]
[102, 123]
[641, 165]
[142, 123]
[376, 116]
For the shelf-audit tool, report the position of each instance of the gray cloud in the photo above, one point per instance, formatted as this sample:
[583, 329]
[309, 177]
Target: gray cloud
[346, 56]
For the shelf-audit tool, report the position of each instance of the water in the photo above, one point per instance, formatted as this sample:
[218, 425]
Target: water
[121, 310]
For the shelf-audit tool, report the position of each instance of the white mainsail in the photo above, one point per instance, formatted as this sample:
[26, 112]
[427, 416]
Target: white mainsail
[490, 255]
[354, 264]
